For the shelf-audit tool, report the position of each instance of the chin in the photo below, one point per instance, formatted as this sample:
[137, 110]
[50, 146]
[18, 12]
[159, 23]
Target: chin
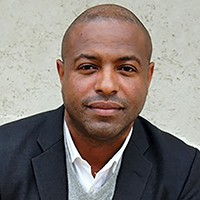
[104, 131]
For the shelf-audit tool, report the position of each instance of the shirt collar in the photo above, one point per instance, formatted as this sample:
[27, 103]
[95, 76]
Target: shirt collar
[73, 152]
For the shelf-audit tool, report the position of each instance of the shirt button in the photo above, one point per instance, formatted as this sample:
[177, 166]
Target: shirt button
[91, 190]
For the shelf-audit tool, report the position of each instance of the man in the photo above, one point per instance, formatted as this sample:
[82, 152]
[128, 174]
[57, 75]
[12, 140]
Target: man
[97, 146]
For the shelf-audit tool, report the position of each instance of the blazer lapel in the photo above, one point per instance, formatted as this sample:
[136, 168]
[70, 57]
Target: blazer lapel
[135, 168]
[50, 166]
[50, 173]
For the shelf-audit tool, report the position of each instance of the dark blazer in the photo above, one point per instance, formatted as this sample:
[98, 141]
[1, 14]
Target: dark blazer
[155, 165]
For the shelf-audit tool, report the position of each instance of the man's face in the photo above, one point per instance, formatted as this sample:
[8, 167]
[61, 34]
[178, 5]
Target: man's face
[105, 78]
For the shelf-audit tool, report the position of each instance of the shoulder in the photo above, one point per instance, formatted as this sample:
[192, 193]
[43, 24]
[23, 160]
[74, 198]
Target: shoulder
[165, 150]
[162, 140]
[16, 128]
[29, 123]
[19, 144]
[19, 139]
[174, 162]
[25, 132]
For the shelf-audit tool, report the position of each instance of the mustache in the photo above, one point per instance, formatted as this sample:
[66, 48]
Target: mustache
[114, 99]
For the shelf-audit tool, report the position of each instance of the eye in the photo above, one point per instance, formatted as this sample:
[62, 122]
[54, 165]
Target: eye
[87, 68]
[127, 69]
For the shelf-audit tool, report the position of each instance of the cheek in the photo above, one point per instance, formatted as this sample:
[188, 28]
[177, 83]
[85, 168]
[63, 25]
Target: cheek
[134, 89]
[76, 88]
[136, 97]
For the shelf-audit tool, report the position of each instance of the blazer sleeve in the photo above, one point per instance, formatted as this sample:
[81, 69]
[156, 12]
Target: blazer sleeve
[191, 189]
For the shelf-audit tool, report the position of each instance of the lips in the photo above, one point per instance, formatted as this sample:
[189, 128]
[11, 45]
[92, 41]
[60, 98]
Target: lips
[105, 108]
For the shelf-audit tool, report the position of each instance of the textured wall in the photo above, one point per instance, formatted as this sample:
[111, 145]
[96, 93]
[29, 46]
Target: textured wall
[30, 38]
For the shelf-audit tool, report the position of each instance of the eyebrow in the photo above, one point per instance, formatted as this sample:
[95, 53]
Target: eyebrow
[124, 58]
[128, 58]
[90, 57]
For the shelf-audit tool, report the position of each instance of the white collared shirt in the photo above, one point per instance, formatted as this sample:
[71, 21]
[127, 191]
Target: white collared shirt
[83, 169]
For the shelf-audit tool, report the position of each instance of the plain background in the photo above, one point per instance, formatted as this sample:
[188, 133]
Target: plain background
[30, 38]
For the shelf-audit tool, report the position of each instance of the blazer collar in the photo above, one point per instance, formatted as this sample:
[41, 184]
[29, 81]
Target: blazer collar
[135, 168]
[52, 130]
[50, 166]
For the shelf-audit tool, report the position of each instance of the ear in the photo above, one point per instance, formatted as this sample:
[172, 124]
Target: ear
[60, 69]
[150, 72]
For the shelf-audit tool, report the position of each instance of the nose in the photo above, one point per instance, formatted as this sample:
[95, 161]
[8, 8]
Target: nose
[106, 83]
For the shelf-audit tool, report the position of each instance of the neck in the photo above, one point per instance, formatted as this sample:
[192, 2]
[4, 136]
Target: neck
[96, 152]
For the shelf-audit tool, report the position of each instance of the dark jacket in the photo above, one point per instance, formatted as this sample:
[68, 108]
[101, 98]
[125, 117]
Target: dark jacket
[155, 164]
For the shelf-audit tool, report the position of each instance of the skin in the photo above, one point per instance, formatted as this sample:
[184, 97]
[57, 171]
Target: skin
[105, 78]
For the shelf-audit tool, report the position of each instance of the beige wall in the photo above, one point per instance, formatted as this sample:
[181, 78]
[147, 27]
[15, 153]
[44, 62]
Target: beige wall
[30, 38]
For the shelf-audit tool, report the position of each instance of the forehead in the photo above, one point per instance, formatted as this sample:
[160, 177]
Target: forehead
[105, 28]
[108, 34]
